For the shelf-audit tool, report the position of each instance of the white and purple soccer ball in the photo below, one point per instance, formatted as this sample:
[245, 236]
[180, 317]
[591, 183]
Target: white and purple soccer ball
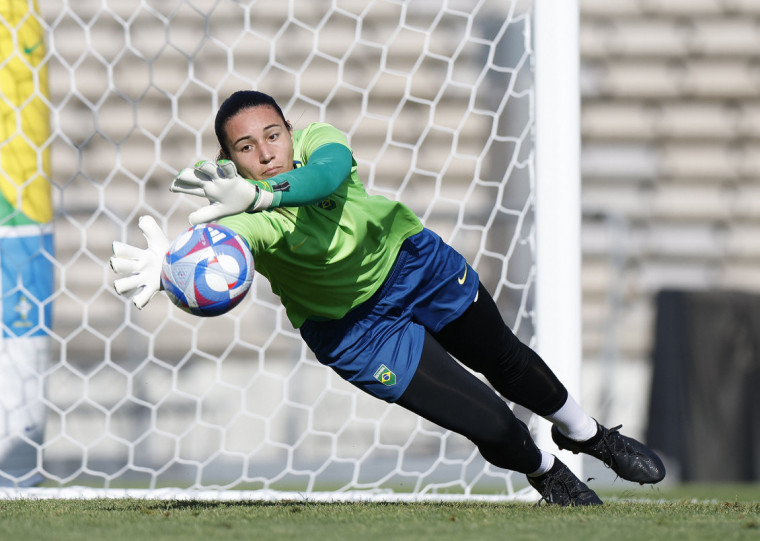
[207, 270]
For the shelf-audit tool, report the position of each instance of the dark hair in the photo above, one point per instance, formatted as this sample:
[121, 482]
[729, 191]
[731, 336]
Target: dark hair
[242, 99]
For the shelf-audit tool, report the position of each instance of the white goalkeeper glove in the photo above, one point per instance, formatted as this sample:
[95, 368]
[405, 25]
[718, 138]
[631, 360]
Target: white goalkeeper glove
[227, 192]
[142, 266]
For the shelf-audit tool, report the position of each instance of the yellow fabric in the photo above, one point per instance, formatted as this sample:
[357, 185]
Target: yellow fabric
[24, 114]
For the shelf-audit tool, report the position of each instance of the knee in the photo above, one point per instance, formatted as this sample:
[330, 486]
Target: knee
[510, 446]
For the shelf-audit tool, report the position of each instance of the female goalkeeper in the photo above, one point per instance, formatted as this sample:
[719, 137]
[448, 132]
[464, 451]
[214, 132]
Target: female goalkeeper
[379, 298]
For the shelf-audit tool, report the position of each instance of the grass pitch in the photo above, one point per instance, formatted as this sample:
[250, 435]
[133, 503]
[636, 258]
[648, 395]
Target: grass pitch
[694, 513]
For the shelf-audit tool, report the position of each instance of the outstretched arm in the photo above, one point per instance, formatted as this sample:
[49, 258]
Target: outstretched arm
[228, 193]
[328, 167]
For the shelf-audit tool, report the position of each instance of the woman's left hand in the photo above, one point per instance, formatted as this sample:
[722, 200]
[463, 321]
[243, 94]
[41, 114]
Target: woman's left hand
[227, 192]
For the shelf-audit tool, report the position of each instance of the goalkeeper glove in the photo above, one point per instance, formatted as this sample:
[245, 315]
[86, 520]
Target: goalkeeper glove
[143, 266]
[227, 192]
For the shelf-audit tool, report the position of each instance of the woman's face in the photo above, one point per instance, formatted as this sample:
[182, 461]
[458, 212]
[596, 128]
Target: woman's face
[259, 142]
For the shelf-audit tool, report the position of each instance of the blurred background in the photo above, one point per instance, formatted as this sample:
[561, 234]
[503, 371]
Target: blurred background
[670, 128]
[671, 237]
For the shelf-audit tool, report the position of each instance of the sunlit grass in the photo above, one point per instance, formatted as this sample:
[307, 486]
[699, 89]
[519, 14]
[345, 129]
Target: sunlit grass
[684, 512]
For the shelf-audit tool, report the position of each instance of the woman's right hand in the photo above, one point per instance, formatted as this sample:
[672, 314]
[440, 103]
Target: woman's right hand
[141, 267]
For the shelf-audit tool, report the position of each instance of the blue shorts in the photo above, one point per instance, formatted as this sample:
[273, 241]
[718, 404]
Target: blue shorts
[377, 345]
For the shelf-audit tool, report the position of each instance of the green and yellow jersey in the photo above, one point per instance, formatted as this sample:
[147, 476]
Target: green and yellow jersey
[325, 258]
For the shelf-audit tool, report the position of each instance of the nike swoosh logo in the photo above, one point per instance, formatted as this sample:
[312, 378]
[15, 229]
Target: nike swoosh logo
[463, 278]
[29, 49]
[295, 247]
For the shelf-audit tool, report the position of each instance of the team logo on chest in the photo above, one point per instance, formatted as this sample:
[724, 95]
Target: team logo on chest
[327, 204]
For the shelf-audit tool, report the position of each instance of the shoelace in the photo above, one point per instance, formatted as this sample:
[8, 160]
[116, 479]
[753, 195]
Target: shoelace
[609, 448]
[568, 484]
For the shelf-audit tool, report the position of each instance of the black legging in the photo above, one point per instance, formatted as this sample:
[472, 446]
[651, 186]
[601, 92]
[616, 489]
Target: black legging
[443, 392]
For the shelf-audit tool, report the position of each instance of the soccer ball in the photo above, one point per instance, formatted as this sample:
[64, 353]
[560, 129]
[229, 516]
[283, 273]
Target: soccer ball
[207, 270]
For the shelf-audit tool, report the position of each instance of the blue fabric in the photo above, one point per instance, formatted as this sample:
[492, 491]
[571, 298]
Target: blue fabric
[27, 284]
[377, 345]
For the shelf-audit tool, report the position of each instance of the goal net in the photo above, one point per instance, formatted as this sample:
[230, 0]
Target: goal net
[436, 98]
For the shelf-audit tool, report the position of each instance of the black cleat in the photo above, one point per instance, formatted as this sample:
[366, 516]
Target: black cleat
[559, 486]
[629, 459]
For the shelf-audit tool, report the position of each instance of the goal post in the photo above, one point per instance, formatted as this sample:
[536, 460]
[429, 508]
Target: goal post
[558, 214]
[440, 102]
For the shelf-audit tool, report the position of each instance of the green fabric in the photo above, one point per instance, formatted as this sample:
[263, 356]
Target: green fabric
[325, 258]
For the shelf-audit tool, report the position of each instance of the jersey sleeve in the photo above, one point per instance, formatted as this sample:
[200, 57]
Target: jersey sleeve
[324, 161]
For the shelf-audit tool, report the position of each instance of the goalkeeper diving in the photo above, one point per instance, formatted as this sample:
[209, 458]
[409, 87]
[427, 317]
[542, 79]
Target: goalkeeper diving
[380, 299]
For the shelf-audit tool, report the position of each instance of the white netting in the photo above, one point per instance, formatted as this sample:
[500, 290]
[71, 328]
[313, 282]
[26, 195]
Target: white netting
[436, 99]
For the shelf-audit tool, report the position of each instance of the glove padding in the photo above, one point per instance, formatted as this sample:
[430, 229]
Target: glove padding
[227, 192]
[143, 266]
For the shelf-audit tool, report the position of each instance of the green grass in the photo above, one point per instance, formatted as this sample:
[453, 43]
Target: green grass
[696, 512]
